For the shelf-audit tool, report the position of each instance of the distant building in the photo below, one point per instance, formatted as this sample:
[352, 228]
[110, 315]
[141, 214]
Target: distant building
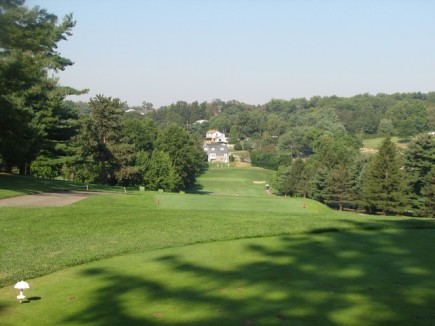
[217, 152]
[200, 122]
[214, 136]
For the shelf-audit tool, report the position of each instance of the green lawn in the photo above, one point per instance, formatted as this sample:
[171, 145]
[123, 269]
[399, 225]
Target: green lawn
[336, 278]
[374, 143]
[213, 258]
[35, 240]
[232, 180]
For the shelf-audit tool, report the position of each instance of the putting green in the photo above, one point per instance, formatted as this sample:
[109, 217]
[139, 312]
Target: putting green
[340, 278]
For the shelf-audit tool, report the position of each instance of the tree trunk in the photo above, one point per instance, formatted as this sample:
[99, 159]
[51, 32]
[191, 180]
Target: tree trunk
[22, 169]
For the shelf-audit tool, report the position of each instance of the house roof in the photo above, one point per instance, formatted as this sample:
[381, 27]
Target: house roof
[211, 131]
[215, 145]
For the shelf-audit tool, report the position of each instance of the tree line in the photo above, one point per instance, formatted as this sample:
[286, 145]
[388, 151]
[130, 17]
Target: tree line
[44, 135]
[389, 181]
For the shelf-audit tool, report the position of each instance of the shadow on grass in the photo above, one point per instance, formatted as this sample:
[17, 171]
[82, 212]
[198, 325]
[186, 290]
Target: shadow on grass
[197, 190]
[335, 278]
[34, 298]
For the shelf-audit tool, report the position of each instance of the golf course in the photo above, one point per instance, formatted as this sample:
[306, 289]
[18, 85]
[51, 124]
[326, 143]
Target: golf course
[226, 253]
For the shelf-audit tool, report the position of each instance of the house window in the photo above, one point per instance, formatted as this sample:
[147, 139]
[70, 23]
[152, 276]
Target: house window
[206, 149]
[212, 156]
[213, 149]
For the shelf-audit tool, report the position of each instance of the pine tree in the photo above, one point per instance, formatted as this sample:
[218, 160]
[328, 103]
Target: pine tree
[100, 137]
[419, 160]
[428, 192]
[384, 185]
[32, 116]
[339, 187]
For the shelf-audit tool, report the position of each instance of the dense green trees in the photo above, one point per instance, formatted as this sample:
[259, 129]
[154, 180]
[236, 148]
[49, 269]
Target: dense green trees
[388, 182]
[114, 149]
[292, 180]
[408, 118]
[186, 155]
[269, 160]
[158, 171]
[33, 116]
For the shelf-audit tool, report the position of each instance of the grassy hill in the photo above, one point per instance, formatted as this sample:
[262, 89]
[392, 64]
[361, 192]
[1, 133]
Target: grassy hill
[214, 258]
[247, 181]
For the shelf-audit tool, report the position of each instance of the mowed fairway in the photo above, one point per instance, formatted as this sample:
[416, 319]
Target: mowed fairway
[214, 258]
[231, 180]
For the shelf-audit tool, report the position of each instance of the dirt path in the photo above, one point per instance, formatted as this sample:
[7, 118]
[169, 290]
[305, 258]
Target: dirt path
[51, 198]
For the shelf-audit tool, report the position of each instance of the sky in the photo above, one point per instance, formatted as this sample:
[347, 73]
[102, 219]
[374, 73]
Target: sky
[164, 51]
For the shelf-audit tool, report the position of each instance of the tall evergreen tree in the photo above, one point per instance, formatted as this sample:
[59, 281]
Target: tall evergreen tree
[291, 180]
[428, 193]
[100, 136]
[339, 188]
[419, 160]
[384, 185]
[30, 101]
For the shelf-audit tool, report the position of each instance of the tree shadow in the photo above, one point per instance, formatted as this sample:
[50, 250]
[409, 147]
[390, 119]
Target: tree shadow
[334, 278]
[196, 189]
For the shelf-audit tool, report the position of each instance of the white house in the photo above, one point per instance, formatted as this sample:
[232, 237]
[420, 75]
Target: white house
[214, 136]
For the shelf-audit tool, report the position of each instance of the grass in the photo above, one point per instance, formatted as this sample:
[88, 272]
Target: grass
[374, 143]
[37, 241]
[334, 278]
[242, 154]
[232, 180]
[213, 259]
[16, 185]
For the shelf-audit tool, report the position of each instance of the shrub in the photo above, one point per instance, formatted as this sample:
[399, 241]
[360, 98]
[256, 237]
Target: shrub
[238, 147]
[269, 160]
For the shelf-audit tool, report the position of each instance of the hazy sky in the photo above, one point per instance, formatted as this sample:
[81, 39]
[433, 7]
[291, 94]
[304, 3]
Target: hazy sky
[163, 51]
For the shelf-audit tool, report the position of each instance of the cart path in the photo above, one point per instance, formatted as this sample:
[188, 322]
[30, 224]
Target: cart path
[51, 198]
